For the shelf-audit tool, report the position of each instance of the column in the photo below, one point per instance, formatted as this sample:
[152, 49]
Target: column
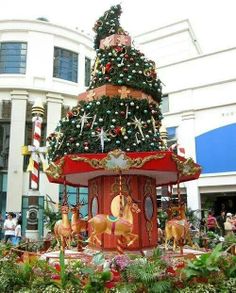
[186, 138]
[17, 140]
[54, 103]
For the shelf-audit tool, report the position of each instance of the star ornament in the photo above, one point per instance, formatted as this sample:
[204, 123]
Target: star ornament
[138, 124]
[84, 119]
[102, 136]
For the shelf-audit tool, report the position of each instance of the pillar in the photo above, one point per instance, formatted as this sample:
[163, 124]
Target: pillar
[186, 138]
[54, 103]
[17, 140]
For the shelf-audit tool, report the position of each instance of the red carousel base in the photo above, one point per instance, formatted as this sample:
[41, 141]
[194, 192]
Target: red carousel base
[142, 189]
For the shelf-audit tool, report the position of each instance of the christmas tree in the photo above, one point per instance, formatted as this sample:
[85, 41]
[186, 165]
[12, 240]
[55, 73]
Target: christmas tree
[121, 109]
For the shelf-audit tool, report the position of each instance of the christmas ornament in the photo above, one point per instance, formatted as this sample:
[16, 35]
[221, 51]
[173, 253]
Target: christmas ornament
[138, 124]
[83, 119]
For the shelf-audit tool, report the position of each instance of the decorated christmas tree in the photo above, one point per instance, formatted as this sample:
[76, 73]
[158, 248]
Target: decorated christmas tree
[121, 108]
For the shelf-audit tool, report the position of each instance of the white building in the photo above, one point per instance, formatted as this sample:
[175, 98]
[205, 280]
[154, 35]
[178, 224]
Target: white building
[199, 109]
[38, 60]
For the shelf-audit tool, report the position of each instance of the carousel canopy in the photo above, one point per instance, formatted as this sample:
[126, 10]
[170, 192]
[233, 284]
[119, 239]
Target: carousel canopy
[165, 166]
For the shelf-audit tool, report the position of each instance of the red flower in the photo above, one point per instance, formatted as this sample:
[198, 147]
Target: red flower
[57, 267]
[115, 276]
[171, 271]
[56, 277]
[179, 284]
[110, 284]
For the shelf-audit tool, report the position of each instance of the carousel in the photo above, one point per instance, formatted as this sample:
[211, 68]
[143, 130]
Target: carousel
[111, 143]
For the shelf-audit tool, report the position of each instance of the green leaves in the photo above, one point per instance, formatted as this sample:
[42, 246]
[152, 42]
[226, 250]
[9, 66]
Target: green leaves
[205, 264]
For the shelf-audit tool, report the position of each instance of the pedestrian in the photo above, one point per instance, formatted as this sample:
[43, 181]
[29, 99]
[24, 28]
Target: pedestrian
[1, 225]
[211, 223]
[228, 225]
[234, 223]
[17, 238]
[9, 228]
[221, 220]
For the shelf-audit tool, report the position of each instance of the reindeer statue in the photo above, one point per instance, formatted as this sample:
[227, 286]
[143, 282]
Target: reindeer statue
[78, 225]
[62, 229]
[120, 226]
[178, 228]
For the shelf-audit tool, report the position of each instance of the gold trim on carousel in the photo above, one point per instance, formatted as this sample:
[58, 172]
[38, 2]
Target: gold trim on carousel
[55, 170]
[125, 164]
[186, 167]
[149, 227]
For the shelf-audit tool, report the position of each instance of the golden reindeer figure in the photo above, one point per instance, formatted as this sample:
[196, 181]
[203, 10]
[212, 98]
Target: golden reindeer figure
[120, 226]
[78, 225]
[62, 229]
[178, 228]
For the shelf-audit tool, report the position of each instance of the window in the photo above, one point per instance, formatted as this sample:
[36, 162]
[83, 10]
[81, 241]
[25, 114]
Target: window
[13, 57]
[65, 64]
[76, 195]
[87, 71]
[172, 139]
[165, 104]
[4, 144]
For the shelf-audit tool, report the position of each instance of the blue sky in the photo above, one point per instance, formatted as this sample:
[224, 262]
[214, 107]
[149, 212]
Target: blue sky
[213, 21]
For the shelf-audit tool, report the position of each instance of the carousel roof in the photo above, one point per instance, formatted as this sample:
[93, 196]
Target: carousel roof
[165, 166]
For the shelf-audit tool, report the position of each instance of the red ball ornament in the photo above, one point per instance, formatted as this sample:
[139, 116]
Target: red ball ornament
[122, 113]
[88, 125]
[131, 59]
[125, 69]
[108, 67]
[126, 56]
[85, 144]
[69, 114]
[117, 130]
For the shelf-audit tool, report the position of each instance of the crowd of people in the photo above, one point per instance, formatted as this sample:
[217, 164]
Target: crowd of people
[10, 228]
[225, 223]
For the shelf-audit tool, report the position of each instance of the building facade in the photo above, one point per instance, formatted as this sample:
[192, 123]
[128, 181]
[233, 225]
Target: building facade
[38, 60]
[199, 107]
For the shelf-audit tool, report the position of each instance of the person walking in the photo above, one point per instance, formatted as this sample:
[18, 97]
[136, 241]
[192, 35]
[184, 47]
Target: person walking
[9, 228]
[17, 238]
[221, 220]
[211, 223]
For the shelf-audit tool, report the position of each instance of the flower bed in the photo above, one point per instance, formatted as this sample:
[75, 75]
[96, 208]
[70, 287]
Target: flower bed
[210, 272]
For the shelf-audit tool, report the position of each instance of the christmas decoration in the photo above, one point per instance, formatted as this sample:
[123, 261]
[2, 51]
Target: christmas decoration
[38, 154]
[115, 128]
